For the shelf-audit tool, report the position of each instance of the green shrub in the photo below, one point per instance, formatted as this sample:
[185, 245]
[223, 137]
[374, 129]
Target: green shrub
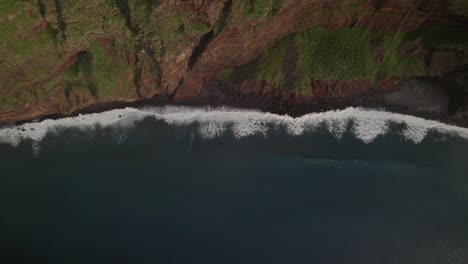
[328, 54]
[460, 7]
[196, 28]
[341, 54]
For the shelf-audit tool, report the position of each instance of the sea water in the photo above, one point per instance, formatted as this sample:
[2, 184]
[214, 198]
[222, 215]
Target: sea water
[223, 185]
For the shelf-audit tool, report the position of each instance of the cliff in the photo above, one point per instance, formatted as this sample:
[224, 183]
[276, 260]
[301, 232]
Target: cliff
[293, 56]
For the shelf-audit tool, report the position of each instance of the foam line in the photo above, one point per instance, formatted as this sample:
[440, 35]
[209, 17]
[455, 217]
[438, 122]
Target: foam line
[366, 125]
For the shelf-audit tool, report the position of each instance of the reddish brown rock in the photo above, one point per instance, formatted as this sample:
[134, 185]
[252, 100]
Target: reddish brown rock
[188, 68]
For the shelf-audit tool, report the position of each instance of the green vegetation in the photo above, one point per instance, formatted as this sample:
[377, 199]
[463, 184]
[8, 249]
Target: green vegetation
[25, 54]
[197, 28]
[223, 18]
[256, 8]
[260, 8]
[276, 6]
[106, 74]
[393, 63]
[95, 73]
[341, 54]
[268, 67]
[32, 55]
[61, 24]
[439, 35]
[36, 55]
[171, 28]
[121, 40]
[7, 6]
[140, 10]
[30, 46]
[5, 103]
[460, 7]
[325, 54]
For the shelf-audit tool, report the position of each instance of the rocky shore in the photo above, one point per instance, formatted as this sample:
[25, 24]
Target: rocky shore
[419, 97]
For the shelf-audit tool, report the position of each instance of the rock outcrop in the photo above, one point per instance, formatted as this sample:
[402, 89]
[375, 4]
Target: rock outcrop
[288, 56]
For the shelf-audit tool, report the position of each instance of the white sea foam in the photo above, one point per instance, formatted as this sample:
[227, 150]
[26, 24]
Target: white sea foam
[366, 125]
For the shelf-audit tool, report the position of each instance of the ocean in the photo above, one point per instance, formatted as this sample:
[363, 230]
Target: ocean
[225, 185]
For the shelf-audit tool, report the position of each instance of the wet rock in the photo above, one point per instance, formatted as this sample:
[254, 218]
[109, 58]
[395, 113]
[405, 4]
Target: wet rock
[419, 96]
[460, 78]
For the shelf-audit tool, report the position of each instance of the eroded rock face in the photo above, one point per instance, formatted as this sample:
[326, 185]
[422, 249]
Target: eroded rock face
[60, 56]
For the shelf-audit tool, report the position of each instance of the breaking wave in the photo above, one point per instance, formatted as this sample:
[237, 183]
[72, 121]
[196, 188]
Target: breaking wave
[366, 125]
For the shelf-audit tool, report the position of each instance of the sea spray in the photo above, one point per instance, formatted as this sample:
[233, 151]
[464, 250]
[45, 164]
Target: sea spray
[366, 125]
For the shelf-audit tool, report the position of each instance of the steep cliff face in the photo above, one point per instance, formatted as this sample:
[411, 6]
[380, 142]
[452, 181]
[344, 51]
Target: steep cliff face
[58, 56]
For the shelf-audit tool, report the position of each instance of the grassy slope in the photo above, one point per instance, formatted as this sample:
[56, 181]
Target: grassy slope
[343, 54]
[32, 52]
[326, 54]
[460, 7]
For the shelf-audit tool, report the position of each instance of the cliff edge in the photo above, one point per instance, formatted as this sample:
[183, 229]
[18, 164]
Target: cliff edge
[287, 56]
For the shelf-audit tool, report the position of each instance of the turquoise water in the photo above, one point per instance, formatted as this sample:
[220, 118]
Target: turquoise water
[209, 188]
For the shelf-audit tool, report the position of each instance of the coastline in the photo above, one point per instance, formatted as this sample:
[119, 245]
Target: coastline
[278, 104]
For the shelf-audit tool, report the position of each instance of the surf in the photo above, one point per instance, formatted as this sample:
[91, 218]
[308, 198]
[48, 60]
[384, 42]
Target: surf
[365, 124]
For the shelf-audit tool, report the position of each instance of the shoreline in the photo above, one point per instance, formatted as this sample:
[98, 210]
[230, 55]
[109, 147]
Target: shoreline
[278, 105]
[364, 124]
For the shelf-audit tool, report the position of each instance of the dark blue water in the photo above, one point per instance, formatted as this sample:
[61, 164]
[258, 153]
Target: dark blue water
[166, 195]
